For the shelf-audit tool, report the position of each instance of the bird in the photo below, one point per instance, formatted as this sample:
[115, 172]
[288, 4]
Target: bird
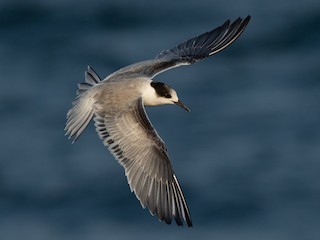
[117, 106]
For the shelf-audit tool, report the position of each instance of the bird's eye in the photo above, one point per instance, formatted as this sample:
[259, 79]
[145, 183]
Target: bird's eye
[167, 95]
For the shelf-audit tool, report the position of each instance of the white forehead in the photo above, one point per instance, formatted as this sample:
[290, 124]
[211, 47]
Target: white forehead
[174, 95]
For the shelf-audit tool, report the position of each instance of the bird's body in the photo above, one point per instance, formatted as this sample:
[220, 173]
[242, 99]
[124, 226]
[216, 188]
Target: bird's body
[117, 106]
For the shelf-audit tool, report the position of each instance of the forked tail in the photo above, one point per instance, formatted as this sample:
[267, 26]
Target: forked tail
[82, 111]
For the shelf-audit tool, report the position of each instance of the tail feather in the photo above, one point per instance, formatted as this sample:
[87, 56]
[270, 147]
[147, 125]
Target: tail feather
[92, 76]
[79, 116]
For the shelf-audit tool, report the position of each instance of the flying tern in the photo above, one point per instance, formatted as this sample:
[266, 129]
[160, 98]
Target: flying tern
[116, 104]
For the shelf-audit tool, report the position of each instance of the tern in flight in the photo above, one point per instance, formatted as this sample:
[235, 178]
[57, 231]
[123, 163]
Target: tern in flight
[116, 105]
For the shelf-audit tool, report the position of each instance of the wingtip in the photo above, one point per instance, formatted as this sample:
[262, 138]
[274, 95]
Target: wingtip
[225, 24]
[246, 20]
[189, 222]
[243, 21]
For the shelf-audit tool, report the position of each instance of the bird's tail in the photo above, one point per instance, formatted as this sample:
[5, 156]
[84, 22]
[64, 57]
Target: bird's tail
[82, 111]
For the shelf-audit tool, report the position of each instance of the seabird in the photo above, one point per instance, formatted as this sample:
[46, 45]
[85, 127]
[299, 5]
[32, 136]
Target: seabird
[116, 104]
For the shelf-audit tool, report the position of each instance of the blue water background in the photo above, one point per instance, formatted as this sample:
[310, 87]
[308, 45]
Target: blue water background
[247, 156]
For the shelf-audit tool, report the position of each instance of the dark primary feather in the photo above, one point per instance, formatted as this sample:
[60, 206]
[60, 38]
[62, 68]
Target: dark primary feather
[206, 44]
[188, 52]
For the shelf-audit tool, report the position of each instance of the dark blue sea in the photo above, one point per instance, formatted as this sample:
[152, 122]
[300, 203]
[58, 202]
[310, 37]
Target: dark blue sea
[247, 156]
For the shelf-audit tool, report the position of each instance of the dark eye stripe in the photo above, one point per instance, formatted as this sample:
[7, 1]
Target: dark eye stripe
[162, 89]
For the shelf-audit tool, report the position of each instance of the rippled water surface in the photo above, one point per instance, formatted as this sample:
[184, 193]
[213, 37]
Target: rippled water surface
[247, 156]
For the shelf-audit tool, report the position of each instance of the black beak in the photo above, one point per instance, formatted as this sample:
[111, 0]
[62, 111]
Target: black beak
[181, 104]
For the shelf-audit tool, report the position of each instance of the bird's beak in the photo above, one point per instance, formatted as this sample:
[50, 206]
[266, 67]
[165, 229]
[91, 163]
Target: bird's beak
[181, 104]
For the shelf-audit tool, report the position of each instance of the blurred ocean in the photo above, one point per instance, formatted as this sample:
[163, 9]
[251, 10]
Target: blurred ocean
[247, 156]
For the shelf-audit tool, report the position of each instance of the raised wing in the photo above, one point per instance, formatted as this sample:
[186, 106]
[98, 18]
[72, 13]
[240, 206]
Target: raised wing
[188, 52]
[133, 141]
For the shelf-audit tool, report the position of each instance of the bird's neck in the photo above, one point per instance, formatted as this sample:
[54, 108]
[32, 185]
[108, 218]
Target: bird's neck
[149, 96]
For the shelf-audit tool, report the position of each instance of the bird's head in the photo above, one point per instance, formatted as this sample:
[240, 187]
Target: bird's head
[160, 94]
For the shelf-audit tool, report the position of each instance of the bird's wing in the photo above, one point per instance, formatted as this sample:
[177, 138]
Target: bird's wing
[188, 52]
[133, 141]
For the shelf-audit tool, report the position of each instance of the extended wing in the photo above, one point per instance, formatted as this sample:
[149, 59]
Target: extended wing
[188, 52]
[133, 141]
